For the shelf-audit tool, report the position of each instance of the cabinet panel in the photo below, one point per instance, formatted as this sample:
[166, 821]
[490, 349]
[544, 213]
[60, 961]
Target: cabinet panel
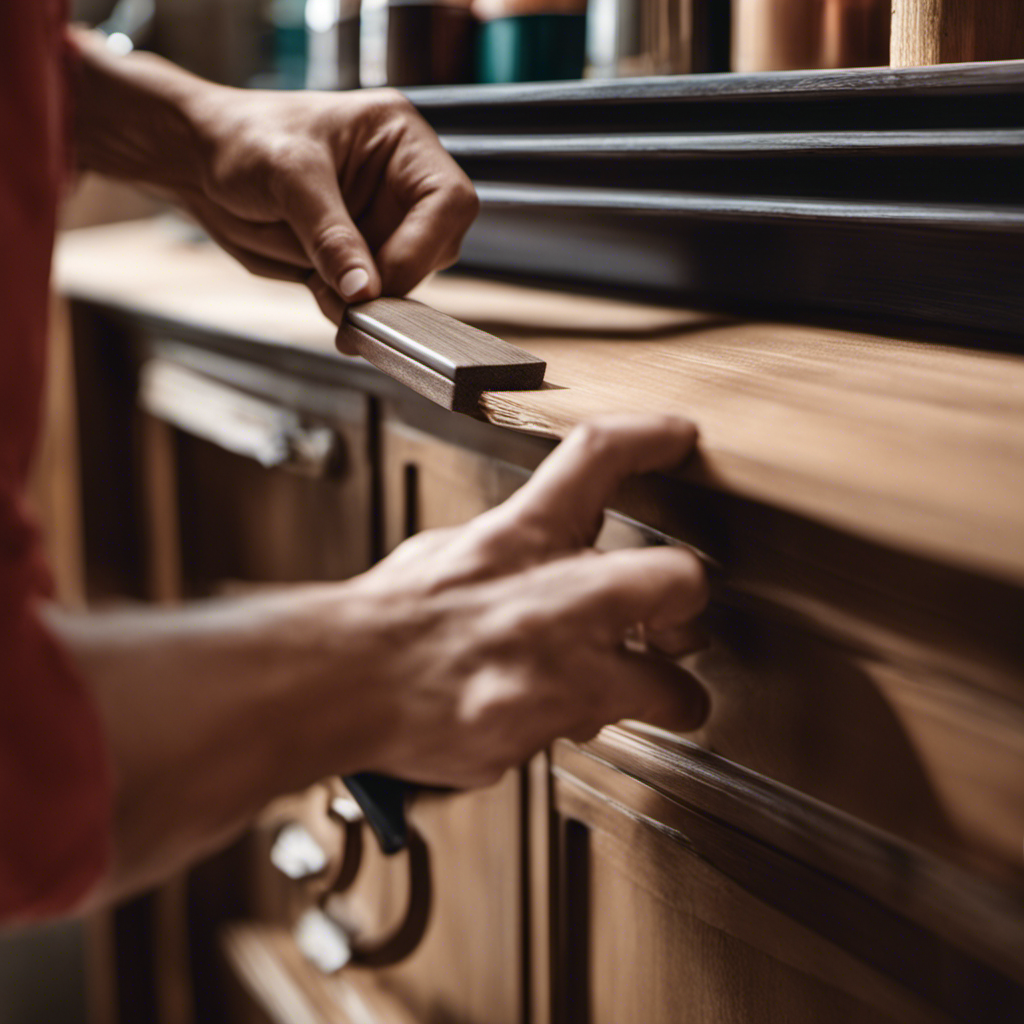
[689, 887]
[282, 496]
[728, 899]
[668, 939]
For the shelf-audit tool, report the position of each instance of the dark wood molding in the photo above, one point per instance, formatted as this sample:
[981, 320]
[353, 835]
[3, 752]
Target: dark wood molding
[887, 194]
[945, 80]
[437, 356]
[682, 146]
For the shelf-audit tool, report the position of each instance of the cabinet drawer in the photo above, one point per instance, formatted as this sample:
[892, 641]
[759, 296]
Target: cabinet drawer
[273, 481]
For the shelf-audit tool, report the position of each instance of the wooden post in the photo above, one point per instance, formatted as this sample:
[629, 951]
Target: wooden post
[952, 31]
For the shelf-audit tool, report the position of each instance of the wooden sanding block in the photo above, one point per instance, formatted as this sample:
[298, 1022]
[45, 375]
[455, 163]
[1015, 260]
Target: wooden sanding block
[440, 357]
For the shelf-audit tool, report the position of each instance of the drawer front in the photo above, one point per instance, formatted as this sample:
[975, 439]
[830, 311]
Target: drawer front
[267, 491]
[841, 840]
[249, 479]
[843, 834]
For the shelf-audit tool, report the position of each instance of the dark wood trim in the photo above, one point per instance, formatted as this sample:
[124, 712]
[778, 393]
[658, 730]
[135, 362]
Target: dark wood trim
[951, 266]
[946, 80]
[755, 209]
[681, 146]
[437, 356]
[886, 194]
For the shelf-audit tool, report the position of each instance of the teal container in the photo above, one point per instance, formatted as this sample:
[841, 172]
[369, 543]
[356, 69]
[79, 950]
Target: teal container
[531, 48]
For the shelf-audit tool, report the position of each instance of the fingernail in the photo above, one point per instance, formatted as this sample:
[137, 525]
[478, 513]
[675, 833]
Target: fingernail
[353, 282]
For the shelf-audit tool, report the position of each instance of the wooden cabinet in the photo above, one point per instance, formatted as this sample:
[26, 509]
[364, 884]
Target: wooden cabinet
[841, 841]
[245, 478]
[268, 486]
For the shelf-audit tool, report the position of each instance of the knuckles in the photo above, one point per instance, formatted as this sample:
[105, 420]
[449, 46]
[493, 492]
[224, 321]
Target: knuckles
[462, 202]
[379, 107]
[596, 440]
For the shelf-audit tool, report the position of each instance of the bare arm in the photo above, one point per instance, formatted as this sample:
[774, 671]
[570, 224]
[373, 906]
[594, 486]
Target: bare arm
[455, 658]
[350, 193]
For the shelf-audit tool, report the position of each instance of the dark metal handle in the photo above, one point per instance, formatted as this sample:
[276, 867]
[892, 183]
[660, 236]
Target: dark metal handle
[382, 799]
[385, 950]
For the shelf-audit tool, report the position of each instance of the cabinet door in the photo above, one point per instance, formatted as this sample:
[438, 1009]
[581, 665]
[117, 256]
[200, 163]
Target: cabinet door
[689, 887]
[469, 965]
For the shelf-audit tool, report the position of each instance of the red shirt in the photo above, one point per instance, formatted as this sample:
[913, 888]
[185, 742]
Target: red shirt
[55, 792]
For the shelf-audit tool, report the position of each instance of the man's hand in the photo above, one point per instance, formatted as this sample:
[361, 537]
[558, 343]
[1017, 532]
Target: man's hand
[484, 643]
[460, 655]
[350, 193]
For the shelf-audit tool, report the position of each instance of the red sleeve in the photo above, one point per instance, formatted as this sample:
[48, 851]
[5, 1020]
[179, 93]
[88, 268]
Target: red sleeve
[55, 788]
[54, 778]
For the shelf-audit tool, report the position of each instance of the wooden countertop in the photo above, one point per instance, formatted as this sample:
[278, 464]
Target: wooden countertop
[915, 445]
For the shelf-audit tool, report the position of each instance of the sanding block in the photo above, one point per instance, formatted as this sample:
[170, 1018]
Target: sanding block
[436, 355]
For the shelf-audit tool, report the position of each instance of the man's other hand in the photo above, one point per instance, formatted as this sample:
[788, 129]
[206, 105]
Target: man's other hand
[489, 641]
[350, 192]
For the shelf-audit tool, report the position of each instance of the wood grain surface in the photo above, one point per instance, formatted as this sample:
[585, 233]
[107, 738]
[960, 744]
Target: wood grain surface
[914, 445]
[693, 917]
[952, 31]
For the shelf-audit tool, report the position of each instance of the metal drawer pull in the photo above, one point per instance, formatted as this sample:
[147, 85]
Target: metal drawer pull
[378, 801]
[322, 942]
[271, 435]
[346, 811]
[391, 948]
[297, 854]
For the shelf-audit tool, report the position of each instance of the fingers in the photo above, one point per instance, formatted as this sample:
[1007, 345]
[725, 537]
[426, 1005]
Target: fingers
[430, 234]
[311, 201]
[260, 265]
[677, 641]
[654, 690]
[418, 204]
[273, 241]
[567, 494]
[330, 305]
[662, 588]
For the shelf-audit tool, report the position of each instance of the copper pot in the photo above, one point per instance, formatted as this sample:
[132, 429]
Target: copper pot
[781, 35]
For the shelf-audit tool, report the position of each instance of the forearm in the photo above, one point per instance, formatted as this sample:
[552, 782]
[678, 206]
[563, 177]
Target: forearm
[134, 117]
[211, 711]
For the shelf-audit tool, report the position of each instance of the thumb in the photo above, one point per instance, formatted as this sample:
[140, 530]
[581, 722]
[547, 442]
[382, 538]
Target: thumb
[315, 210]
